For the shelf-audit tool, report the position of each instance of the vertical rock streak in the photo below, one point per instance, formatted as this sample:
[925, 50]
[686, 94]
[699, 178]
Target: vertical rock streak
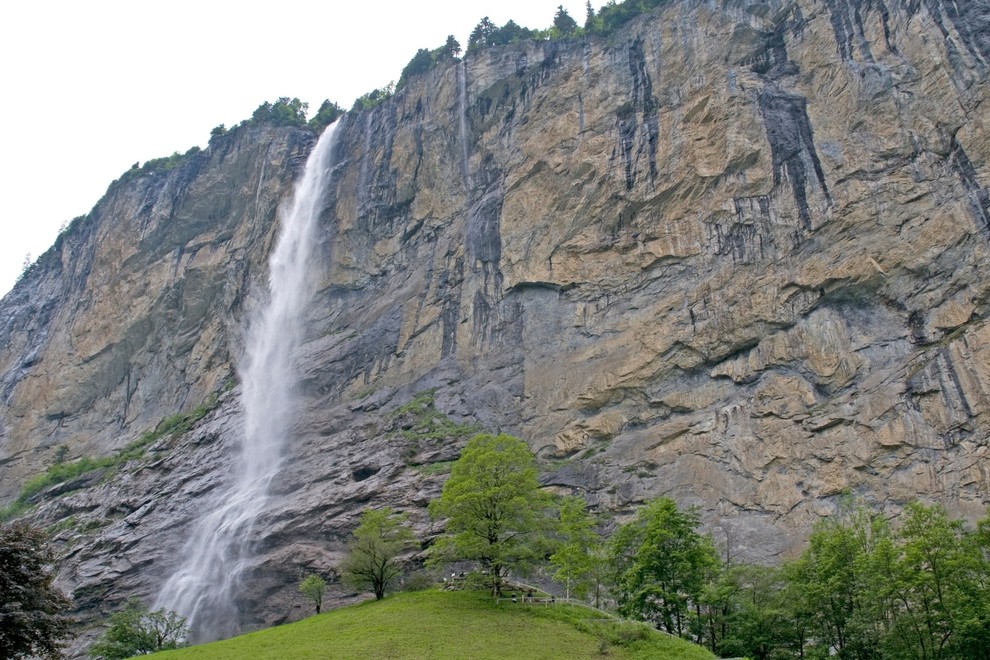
[203, 588]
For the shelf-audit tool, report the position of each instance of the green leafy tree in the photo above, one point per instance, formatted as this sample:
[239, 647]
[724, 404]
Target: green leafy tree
[136, 631]
[973, 621]
[26, 266]
[932, 584]
[563, 23]
[511, 33]
[662, 564]
[844, 577]
[862, 590]
[425, 59]
[614, 15]
[33, 622]
[373, 98]
[313, 587]
[283, 112]
[751, 614]
[379, 539]
[579, 557]
[328, 113]
[61, 453]
[421, 62]
[482, 34]
[496, 513]
[450, 50]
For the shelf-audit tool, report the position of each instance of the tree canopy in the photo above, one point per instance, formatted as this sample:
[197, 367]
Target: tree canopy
[328, 113]
[33, 622]
[313, 587]
[579, 557]
[496, 513]
[563, 23]
[864, 588]
[379, 539]
[426, 59]
[373, 98]
[136, 631]
[283, 112]
[662, 563]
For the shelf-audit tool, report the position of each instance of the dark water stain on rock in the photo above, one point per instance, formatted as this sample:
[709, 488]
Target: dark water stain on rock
[791, 141]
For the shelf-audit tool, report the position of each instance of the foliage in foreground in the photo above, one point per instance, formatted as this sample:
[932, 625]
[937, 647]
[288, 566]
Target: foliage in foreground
[863, 589]
[136, 631]
[662, 563]
[32, 611]
[496, 513]
[436, 624]
[378, 540]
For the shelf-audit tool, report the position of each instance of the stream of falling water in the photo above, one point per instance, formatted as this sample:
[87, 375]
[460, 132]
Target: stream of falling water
[204, 587]
[462, 118]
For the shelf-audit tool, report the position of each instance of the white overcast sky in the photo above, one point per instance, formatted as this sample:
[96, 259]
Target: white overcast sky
[89, 87]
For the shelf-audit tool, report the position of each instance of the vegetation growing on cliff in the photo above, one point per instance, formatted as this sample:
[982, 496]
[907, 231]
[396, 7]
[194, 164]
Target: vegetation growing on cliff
[614, 15]
[328, 113]
[420, 420]
[65, 472]
[426, 59]
[159, 165]
[486, 34]
[283, 112]
[373, 98]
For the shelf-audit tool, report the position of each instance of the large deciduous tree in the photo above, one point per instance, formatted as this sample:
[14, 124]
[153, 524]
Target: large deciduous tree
[496, 513]
[662, 564]
[380, 537]
[32, 611]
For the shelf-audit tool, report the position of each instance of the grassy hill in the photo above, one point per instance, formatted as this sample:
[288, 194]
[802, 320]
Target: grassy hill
[434, 624]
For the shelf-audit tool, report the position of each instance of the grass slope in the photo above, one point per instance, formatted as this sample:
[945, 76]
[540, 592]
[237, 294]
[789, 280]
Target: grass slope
[434, 624]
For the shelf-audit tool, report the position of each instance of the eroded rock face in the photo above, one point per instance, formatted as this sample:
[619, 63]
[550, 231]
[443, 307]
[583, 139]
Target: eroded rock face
[735, 254]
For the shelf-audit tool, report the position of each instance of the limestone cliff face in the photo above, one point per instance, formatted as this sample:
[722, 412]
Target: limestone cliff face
[134, 314]
[735, 253]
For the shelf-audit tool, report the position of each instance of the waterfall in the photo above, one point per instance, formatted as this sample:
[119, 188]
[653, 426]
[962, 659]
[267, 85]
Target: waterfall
[462, 111]
[219, 547]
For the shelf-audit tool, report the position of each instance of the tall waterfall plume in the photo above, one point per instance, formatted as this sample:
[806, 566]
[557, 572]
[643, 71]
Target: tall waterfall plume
[204, 586]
